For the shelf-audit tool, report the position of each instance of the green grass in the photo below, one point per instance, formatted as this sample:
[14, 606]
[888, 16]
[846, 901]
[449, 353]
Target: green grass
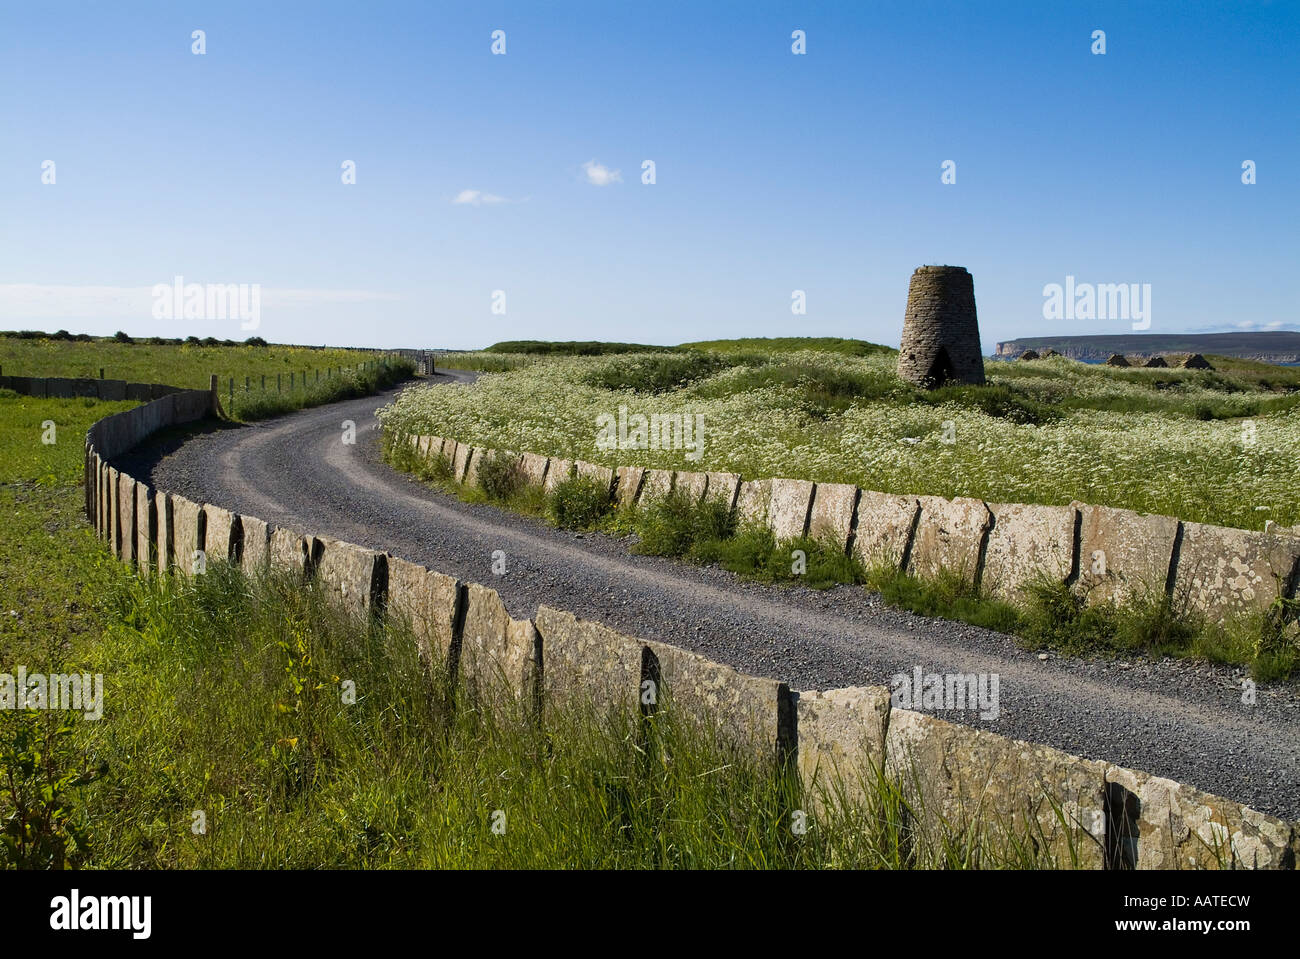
[1056, 616]
[25, 457]
[786, 344]
[227, 703]
[318, 376]
[347, 385]
[186, 365]
[568, 347]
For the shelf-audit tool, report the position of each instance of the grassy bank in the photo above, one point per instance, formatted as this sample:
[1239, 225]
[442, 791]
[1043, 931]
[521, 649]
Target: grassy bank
[1048, 616]
[1218, 446]
[348, 384]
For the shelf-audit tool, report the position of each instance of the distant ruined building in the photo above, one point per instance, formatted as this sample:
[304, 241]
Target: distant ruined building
[941, 336]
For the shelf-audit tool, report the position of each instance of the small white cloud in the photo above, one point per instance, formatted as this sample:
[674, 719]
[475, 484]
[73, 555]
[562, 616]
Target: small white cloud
[477, 198]
[600, 175]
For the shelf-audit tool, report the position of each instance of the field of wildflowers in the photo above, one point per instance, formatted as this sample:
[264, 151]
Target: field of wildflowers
[1219, 446]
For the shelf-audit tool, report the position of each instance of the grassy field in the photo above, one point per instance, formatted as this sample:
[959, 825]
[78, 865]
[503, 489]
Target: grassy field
[255, 381]
[1219, 446]
[186, 365]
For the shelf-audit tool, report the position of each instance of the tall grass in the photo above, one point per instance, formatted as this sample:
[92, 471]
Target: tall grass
[348, 384]
[1053, 615]
[251, 723]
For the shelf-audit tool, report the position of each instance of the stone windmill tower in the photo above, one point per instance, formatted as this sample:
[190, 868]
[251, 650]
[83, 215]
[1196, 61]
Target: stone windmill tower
[941, 336]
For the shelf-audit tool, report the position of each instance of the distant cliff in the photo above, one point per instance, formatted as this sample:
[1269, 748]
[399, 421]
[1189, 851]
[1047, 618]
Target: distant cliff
[1277, 346]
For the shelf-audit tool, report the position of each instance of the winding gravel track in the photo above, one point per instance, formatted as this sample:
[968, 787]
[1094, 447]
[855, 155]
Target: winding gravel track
[1184, 721]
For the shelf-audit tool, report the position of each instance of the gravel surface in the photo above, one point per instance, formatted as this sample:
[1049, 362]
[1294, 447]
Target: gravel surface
[1171, 718]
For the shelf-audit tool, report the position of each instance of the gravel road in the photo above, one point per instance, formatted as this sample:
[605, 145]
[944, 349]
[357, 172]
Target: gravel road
[1184, 721]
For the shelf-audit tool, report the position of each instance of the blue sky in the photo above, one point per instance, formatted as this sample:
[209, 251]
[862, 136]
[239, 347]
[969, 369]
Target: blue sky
[775, 172]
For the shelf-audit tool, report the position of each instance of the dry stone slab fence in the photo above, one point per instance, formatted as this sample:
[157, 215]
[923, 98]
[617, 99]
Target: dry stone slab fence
[1081, 811]
[1110, 555]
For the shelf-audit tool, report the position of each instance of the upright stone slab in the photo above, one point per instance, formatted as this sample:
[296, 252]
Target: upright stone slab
[723, 488]
[833, 508]
[114, 512]
[1027, 542]
[788, 508]
[188, 535]
[656, 485]
[460, 463]
[428, 602]
[1225, 572]
[88, 483]
[449, 449]
[191, 405]
[111, 391]
[588, 664]
[291, 552]
[753, 714]
[126, 518]
[357, 576]
[533, 468]
[559, 471]
[222, 537]
[1161, 824]
[961, 779]
[164, 546]
[753, 500]
[1123, 555]
[146, 529]
[949, 537]
[500, 658]
[103, 512]
[477, 458]
[693, 485]
[255, 554]
[841, 735]
[630, 479]
[27, 385]
[602, 476]
[64, 387]
[885, 524]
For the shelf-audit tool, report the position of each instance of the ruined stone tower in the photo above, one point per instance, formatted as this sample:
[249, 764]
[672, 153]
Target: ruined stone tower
[941, 336]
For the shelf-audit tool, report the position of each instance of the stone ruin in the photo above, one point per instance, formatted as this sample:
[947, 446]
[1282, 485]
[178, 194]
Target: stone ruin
[1030, 355]
[1197, 362]
[941, 336]
[1156, 362]
[1117, 359]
